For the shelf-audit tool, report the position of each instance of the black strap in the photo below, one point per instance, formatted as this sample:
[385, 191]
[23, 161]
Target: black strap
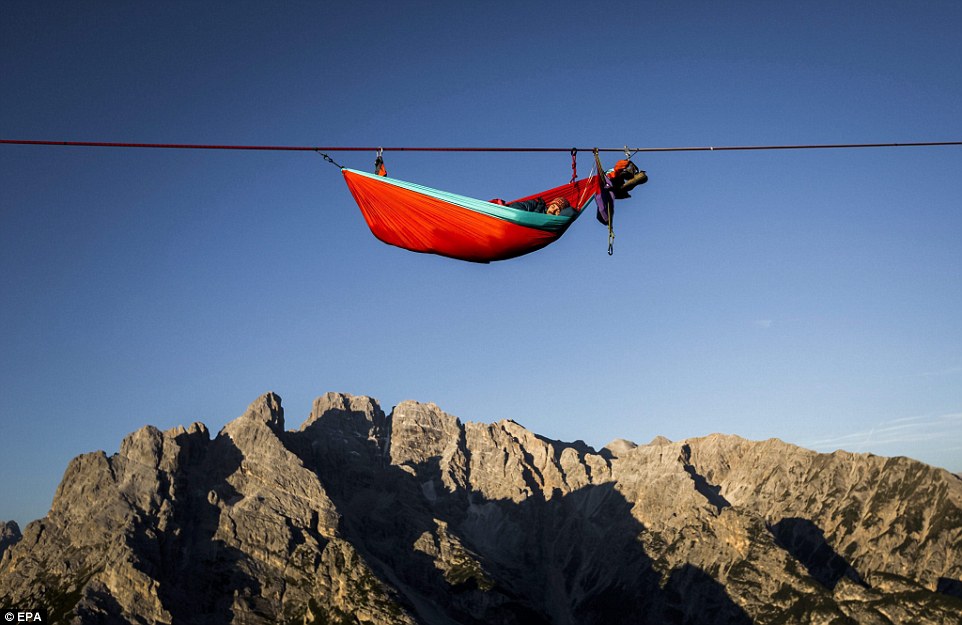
[611, 209]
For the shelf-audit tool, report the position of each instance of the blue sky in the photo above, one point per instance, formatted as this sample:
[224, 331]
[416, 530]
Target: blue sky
[812, 296]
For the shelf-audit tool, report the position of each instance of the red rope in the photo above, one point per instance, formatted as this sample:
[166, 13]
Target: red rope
[288, 148]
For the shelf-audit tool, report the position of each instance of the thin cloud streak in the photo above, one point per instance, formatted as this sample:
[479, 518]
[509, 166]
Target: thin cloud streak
[937, 373]
[946, 428]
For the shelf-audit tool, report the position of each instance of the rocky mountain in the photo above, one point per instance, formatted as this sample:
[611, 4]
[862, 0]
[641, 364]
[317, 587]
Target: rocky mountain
[418, 518]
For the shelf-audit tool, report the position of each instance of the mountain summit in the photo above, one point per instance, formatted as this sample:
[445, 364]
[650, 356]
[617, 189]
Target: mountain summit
[416, 517]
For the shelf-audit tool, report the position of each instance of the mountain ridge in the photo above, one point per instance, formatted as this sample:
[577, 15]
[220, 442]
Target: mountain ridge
[416, 517]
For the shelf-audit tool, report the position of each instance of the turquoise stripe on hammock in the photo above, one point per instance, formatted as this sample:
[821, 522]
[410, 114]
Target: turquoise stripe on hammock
[538, 221]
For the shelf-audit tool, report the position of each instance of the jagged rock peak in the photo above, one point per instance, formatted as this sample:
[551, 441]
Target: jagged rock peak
[153, 448]
[267, 409]
[660, 440]
[421, 431]
[145, 446]
[515, 429]
[619, 447]
[343, 411]
[194, 429]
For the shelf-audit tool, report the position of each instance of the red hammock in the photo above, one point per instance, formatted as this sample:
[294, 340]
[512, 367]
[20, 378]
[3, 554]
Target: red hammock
[421, 219]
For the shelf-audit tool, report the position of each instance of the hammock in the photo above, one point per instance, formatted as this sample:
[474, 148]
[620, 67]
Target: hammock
[422, 219]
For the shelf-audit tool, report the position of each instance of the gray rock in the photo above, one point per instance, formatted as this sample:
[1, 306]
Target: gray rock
[620, 447]
[9, 535]
[416, 517]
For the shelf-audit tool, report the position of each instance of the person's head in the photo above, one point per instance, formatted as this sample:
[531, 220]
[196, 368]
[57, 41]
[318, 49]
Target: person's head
[557, 205]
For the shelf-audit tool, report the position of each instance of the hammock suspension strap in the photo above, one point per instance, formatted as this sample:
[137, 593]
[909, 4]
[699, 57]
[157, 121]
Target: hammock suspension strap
[611, 210]
[329, 159]
[574, 164]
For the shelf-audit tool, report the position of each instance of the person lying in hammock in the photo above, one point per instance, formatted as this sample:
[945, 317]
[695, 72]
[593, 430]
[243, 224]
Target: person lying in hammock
[558, 206]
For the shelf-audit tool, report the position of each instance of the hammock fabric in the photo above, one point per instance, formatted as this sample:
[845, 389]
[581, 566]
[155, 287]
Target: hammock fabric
[422, 219]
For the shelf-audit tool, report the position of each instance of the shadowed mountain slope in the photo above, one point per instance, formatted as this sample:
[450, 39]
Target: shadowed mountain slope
[416, 517]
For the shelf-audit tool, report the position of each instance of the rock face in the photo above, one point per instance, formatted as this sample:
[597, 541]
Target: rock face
[415, 517]
[9, 535]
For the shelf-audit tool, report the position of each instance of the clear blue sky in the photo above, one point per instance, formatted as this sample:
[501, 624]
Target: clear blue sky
[812, 296]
